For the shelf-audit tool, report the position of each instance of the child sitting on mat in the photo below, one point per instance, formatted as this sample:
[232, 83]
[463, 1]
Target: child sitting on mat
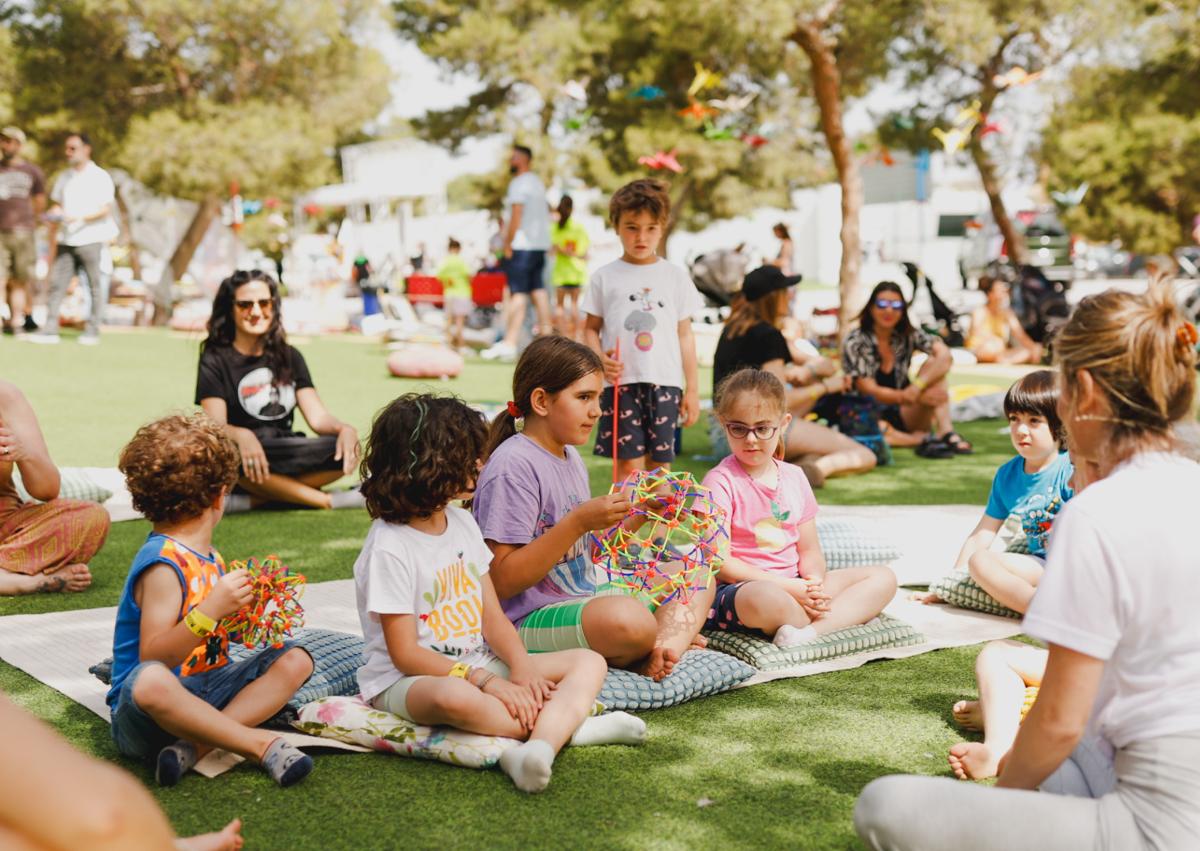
[1034, 486]
[533, 506]
[774, 580]
[175, 694]
[439, 649]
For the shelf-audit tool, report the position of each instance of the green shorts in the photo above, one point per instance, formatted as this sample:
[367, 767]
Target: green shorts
[559, 626]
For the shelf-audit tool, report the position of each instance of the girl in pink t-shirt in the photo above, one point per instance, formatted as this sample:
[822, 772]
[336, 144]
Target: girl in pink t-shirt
[774, 580]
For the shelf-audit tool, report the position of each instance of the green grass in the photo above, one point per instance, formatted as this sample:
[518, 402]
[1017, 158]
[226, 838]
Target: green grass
[782, 763]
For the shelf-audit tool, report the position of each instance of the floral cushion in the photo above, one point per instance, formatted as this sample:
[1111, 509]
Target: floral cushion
[351, 720]
[698, 674]
[846, 543]
[885, 631]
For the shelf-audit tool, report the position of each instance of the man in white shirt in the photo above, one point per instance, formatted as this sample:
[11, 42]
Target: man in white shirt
[81, 223]
[526, 241]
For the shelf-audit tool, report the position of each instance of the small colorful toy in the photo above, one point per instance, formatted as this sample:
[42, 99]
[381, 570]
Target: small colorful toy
[672, 543]
[662, 160]
[697, 111]
[647, 93]
[1031, 693]
[274, 610]
[704, 79]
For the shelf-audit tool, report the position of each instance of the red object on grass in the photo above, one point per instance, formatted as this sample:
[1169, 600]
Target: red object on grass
[487, 288]
[424, 289]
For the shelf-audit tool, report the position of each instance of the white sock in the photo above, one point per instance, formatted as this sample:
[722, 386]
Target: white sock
[236, 503]
[615, 728]
[529, 765]
[792, 636]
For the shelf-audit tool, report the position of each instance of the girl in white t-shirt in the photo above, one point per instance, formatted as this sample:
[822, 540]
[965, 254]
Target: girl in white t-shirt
[1115, 732]
[438, 649]
[774, 580]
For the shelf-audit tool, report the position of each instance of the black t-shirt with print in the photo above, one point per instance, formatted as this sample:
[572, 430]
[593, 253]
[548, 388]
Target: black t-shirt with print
[760, 344]
[245, 382]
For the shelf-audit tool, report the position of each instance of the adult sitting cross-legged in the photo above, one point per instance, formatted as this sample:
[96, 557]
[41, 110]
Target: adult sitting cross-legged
[43, 546]
[252, 381]
[877, 355]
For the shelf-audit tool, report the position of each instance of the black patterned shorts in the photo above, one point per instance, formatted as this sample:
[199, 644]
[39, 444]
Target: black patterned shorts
[649, 414]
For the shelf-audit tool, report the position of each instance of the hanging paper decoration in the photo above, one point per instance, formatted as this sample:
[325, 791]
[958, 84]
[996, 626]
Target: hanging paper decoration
[311, 209]
[575, 90]
[648, 93]
[754, 140]
[989, 127]
[715, 134]
[697, 111]
[271, 203]
[733, 103]
[673, 542]
[903, 122]
[251, 208]
[1015, 76]
[1071, 197]
[968, 116]
[953, 140]
[274, 609]
[704, 79]
[662, 160]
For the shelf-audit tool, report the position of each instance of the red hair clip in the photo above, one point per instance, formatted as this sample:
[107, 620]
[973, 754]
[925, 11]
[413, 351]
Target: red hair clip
[515, 412]
[1187, 334]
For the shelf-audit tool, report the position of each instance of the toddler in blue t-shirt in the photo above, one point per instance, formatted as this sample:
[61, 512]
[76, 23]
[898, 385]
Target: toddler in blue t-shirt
[1033, 487]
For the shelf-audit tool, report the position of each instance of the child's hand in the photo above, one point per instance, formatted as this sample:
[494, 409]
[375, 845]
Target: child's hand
[612, 366]
[516, 699]
[233, 592]
[689, 409]
[526, 676]
[818, 597]
[602, 512]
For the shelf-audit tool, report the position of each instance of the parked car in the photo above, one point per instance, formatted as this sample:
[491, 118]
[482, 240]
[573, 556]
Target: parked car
[1049, 246]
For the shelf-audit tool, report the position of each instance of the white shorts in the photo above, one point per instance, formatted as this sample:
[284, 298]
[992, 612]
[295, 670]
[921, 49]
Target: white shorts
[394, 698]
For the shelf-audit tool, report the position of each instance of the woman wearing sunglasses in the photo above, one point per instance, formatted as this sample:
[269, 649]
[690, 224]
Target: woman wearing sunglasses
[251, 380]
[877, 355]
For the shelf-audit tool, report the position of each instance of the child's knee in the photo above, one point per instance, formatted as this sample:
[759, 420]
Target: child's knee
[588, 662]
[455, 703]
[990, 656]
[630, 627]
[980, 562]
[296, 665]
[154, 687]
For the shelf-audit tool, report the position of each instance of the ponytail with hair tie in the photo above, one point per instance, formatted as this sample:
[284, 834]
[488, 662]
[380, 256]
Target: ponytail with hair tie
[513, 410]
[1187, 337]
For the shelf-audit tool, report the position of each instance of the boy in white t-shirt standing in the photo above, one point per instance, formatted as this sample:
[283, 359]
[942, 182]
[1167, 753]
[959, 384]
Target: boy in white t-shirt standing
[639, 311]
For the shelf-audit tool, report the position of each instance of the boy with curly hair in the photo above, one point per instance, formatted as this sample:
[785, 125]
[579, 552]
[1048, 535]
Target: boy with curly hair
[175, 694]
[639, 310]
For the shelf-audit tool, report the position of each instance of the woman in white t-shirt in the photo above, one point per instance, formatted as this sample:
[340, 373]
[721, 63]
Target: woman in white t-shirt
[1113, 740]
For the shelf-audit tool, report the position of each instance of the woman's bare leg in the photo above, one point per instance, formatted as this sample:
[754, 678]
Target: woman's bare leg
[839, 455]
[303, 490]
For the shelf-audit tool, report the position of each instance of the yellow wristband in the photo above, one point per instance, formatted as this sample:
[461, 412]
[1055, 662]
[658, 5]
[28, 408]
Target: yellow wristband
[200, 624]
[460, 669]
[920, 382]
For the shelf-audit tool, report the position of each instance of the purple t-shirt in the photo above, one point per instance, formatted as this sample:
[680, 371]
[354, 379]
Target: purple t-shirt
[522, 492]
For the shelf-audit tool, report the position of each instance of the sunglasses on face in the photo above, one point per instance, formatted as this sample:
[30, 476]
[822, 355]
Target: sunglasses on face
[738, 431]
[264, 304]
[893, 303]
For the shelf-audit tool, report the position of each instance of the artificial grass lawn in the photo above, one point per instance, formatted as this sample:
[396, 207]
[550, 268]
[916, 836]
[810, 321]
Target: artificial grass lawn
[781, 763]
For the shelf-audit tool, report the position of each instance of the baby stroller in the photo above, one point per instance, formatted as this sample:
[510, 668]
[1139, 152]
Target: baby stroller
[946, 321]
[718, 274]
[1040, 304]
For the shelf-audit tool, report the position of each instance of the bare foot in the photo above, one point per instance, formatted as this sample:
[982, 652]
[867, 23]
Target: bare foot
[658, 664]
[972, 761]
[926, 597]
[699, 642]
[968, 715]
[228, 839]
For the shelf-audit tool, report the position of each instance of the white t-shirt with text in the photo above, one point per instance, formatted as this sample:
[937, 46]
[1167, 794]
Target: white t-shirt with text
[533, 234]
[642, 306]
[1122, 584]
[83, 193]
[403, 571]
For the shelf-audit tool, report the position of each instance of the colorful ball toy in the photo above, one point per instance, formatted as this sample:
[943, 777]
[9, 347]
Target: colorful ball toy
[275, 609]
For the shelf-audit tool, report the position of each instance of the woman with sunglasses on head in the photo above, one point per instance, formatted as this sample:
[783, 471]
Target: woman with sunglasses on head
[251, 380]
[752, 338]
[877, 355]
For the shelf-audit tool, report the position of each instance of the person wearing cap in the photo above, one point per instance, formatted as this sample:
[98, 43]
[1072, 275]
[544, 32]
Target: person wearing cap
[752, 338]
[22, 200]
[81, 223]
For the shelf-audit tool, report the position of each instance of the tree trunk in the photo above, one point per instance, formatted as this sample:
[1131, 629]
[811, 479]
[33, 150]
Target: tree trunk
[991, 187]
[135, 259]
[827, 85]
[677, 203]
[182, 257]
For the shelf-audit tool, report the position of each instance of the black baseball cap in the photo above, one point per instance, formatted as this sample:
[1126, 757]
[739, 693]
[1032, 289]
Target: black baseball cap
[765, 280]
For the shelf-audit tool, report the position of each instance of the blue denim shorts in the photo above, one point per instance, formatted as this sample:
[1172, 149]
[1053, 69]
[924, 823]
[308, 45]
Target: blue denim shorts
[524, 271]
[138, 735]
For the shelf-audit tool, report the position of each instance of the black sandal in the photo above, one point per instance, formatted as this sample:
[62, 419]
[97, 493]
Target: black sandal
[958, 443]
[932, 447]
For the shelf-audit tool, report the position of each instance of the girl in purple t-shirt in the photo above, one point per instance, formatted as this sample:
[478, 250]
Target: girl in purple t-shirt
[774, 580]
[532, 504]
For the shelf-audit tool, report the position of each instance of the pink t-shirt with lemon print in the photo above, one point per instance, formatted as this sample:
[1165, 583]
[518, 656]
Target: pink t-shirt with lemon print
[764, 523]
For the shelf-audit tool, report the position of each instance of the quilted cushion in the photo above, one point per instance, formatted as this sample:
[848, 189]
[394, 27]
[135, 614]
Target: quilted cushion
[74, 484]
[698, 674]
[846, 543]
[959, 589]
[884, 631]
[350, 720]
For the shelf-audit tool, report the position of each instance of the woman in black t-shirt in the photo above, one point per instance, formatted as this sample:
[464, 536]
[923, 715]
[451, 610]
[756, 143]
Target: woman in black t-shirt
[251, 380]
[751, 338]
